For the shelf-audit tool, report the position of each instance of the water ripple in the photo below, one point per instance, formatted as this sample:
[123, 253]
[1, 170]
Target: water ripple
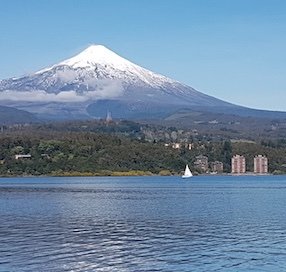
[143, 229]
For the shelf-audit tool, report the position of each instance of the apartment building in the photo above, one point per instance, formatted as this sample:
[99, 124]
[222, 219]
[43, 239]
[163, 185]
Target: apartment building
[238, 164]
[260, 164]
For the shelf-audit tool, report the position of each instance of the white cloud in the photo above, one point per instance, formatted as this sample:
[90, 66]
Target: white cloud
[105, 89]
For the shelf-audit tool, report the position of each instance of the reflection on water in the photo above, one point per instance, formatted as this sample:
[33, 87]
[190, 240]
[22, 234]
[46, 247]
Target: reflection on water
[143, 224]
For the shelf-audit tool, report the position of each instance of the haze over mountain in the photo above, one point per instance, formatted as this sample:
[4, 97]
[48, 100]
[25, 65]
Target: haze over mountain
[97, 80]
[9, 116]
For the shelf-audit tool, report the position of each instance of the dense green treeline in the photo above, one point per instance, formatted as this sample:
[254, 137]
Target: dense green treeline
[76, 152]
[59, 152]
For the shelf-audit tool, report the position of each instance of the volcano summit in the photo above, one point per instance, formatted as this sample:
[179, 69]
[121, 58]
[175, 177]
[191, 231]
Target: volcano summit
[98, 80]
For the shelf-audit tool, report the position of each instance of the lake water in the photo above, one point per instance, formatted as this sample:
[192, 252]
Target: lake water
[207, 223]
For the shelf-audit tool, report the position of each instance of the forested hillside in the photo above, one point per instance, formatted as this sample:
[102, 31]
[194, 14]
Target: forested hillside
[95, 148]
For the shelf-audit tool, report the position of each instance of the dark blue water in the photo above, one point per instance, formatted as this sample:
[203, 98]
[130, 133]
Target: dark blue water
[208, 223]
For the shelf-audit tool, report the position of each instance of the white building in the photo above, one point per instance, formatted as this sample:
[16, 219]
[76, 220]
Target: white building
[20, 156]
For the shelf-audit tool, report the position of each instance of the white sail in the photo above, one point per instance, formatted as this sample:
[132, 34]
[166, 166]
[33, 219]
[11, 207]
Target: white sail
[187, 173]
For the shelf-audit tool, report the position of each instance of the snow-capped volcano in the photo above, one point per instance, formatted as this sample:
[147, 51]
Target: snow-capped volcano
[98, 79]
[98, 56]
[98, 62]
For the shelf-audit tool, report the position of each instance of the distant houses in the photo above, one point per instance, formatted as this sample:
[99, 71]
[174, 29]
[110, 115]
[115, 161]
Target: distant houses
[216, 167]
[21, 156]
[179, 145]
[238, 165]
[176, 145]
[202, 163]
[238, 162]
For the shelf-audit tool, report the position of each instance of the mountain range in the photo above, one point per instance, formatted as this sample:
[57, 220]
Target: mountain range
[97, 81]
[10, 116]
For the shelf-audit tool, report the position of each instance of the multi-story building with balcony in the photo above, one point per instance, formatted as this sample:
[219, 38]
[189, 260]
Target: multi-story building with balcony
[202, 163]
[216, 167]
[260, 164]
[238, 164]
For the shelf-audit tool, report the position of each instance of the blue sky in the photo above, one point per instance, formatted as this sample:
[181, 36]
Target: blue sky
[230, 49]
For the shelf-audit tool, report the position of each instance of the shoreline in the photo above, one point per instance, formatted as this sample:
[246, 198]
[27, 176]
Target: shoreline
[133, 174]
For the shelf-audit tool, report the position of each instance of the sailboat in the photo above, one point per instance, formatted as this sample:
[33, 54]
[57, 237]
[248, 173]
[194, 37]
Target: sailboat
[187, 173]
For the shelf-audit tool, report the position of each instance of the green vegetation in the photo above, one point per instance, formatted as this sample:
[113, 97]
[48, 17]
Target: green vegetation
[122, 149]
[82, 153]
